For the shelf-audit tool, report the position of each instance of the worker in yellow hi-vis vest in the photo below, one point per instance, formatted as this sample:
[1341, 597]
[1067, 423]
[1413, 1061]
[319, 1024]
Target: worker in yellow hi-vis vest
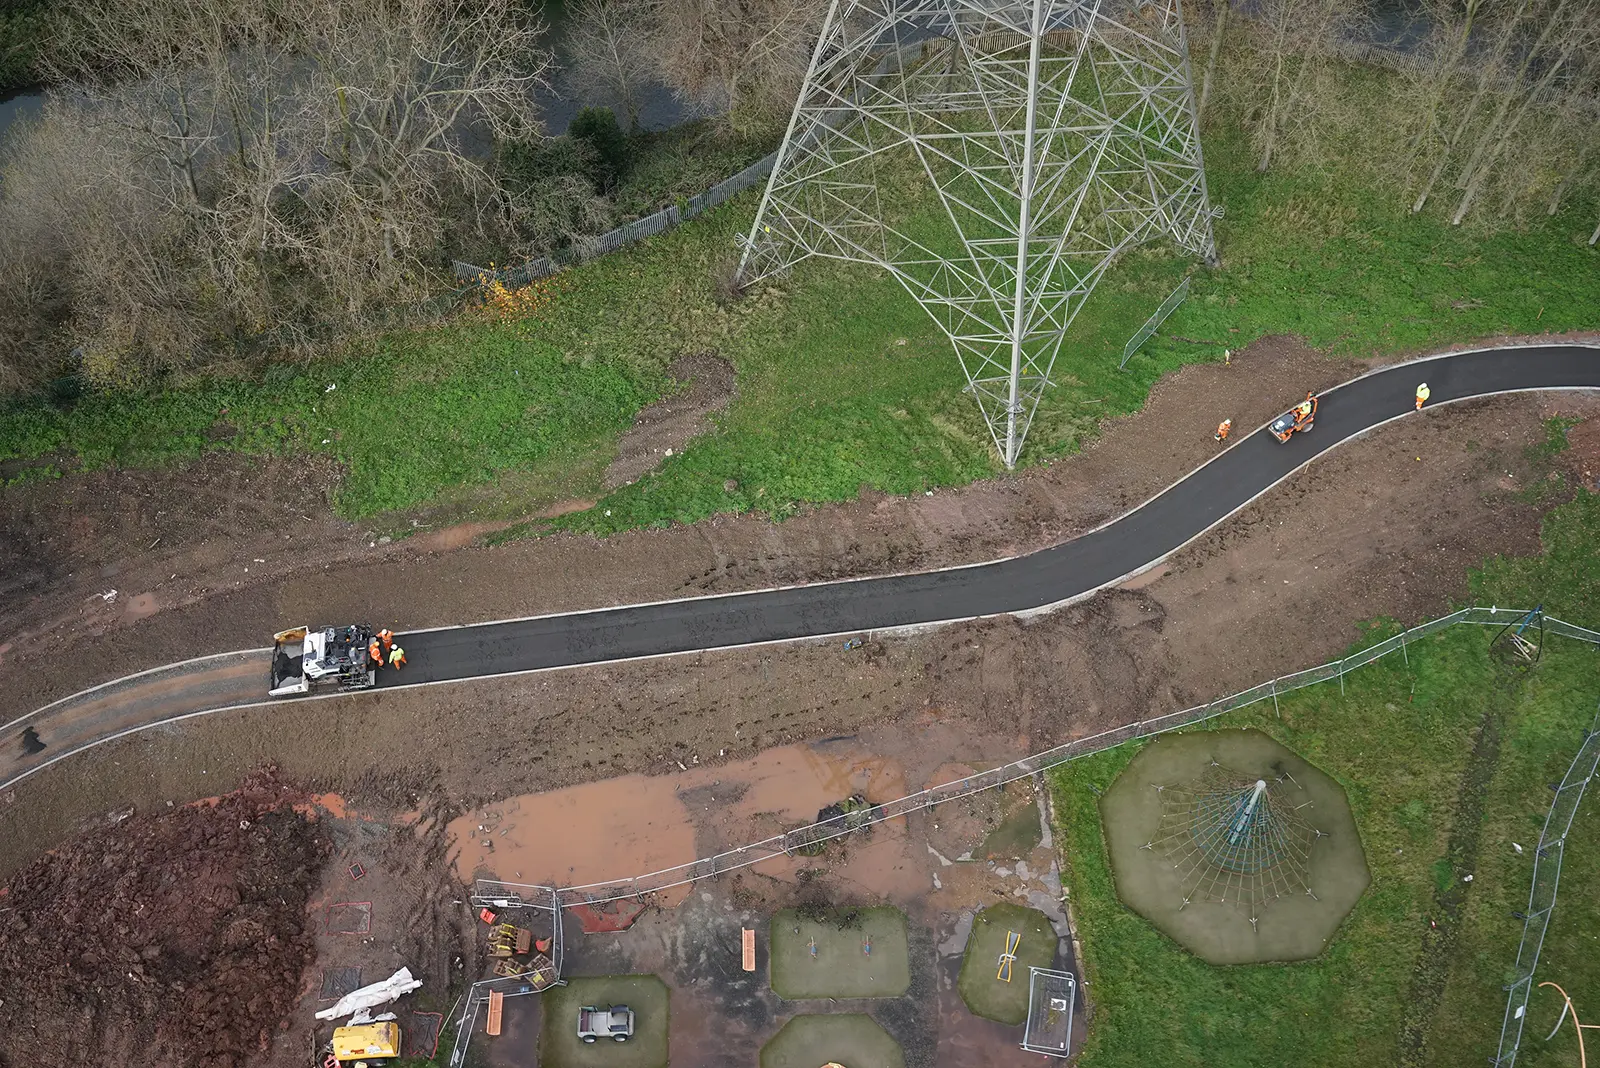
[1423, 393]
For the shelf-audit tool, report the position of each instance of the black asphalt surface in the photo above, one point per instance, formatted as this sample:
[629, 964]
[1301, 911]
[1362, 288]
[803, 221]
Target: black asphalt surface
[1144, 536]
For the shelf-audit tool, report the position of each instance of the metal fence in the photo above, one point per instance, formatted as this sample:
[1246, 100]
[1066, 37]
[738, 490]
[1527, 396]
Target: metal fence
[1542, 896]
[629, 233]
[1168, 306]
[589, 248]
[1049, 1026]
[476, 997]
[809, 836]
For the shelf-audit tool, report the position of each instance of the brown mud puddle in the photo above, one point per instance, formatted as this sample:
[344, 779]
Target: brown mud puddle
[627, 826]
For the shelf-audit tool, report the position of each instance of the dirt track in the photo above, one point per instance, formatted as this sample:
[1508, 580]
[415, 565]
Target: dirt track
[1370, 531]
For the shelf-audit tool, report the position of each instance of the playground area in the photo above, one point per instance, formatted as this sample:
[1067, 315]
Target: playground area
[1234, 845]
[647, 996]
[849, 1039]
[1006, 942]
[890, 914]
[840, 953]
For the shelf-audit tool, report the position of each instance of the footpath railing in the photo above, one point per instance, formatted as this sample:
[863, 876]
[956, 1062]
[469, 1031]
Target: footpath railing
[1542, 897]
[808, 837]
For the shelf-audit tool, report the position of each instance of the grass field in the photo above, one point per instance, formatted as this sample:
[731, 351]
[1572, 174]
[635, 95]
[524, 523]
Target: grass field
[844, 382]
[1401, 740]
[840, 968]
[853, 1039]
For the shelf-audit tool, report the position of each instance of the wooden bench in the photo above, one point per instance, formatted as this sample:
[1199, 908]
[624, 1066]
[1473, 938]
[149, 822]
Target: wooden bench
[497, 1008]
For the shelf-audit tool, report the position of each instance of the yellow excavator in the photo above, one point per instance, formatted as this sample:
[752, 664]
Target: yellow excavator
[370, 1045]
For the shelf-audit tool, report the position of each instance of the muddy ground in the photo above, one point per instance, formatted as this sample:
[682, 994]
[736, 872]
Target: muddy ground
[938, 867]
[1386, 526]
[176, 937]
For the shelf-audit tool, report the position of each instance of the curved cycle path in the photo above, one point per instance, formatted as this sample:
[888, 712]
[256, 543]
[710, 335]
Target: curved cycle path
[1039, 580]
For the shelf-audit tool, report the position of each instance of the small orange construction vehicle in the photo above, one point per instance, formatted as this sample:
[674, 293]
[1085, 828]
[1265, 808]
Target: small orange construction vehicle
[1298, 418]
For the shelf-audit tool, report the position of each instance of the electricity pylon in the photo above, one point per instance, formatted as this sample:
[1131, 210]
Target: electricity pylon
[1052, 134]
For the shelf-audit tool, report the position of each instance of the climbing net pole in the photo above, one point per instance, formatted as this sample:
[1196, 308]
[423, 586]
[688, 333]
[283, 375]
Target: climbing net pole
[1236, 840]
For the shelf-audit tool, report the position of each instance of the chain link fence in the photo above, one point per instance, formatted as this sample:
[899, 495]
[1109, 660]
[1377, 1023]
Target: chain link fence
[808, 837]
[589, 248]
[1546, 876]
[628, 234]
[1168, 306]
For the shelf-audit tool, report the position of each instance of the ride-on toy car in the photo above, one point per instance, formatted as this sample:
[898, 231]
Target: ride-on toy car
[1298, 418]
[615, 1023]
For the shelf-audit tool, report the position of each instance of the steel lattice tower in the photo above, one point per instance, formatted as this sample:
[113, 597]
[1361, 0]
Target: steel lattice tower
[1052, 136]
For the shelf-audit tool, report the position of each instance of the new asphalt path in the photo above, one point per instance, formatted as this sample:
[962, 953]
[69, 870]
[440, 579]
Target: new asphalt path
[1064, 572]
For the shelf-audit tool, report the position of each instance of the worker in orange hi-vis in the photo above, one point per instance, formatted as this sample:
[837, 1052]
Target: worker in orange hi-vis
[1423, 393]
[386, 636]
[375, 651]
[1223, 429]
[397, 658]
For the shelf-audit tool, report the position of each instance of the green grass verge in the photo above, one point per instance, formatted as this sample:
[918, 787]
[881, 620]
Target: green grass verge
[647, 996]
[840, 969]
[1398, 739]
[986, 994]
[844, 382]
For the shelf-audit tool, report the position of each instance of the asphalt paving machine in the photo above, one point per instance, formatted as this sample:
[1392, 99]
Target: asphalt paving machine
[1295, 420]
[327, 659]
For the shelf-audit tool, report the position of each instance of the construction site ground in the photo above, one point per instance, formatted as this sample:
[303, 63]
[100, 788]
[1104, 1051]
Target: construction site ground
[1387, 526]
[937, 867]
[682, 757]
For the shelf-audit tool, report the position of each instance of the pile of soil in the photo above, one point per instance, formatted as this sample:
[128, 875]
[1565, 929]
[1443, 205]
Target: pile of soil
[176, 939]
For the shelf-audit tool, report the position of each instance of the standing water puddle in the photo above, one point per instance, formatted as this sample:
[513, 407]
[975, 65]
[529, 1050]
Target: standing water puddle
[634, 824]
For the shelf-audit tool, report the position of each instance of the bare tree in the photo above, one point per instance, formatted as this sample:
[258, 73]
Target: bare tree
[747, 56]
[253, 167]
[1493, 81]
[1216, 32]
[1288, 63]
[1569, 30]
[607, 58]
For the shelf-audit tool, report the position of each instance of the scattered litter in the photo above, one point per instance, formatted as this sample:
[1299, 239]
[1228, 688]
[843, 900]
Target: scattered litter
[1517, 847]
[1466, 878]
[259, 560]
[331, 387]
[109, 596]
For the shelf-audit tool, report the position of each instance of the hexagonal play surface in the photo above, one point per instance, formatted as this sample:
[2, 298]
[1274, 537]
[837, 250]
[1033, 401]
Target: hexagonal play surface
[852, 1039]
[1234, 845]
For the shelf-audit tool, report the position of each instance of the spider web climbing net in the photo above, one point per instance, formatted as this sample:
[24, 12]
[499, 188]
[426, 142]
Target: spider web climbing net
[1236, 839]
